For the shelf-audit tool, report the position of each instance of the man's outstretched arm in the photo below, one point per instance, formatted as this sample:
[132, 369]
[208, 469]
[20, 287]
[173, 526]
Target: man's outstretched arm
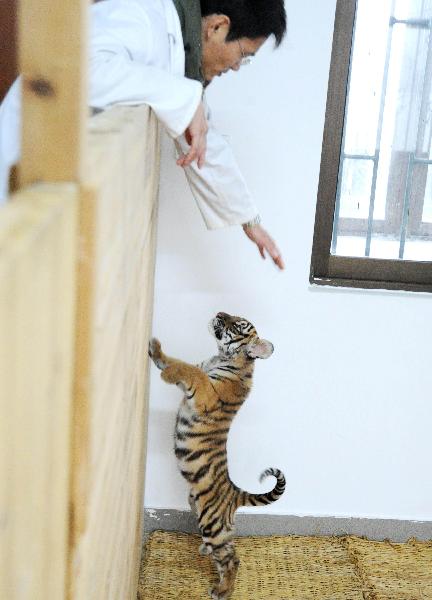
[266, 245]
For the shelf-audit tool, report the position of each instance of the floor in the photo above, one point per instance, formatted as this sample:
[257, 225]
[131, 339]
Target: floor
[290, 568]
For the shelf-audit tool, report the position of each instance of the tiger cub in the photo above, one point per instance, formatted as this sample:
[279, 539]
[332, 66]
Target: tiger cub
[213, 393]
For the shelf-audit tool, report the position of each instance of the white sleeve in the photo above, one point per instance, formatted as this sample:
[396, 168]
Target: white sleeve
[115, 79]
[129, 65]
[219, 188]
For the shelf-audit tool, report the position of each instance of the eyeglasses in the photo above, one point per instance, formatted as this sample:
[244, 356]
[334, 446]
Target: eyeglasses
[244, 60]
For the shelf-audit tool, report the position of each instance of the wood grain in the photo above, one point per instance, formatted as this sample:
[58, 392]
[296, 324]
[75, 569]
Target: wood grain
[52, 51]
[37, 297]
[114, 313]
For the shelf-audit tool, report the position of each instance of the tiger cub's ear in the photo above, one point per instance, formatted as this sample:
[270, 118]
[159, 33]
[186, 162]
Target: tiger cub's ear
[260, 348]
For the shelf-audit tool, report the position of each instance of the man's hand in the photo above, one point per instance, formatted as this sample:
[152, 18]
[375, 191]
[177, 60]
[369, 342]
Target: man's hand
[196, 137]
[265, 243]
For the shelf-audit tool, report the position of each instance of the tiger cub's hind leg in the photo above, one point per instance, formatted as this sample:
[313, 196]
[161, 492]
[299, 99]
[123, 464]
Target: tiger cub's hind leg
[204, 549]
[227, 564]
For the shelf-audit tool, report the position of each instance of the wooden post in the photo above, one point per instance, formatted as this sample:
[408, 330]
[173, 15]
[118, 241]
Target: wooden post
[117, 226]
[77, 312]
[37, 306]
[52, 50]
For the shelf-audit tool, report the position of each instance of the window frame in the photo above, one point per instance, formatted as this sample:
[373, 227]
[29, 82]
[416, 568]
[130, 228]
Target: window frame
[347, 271]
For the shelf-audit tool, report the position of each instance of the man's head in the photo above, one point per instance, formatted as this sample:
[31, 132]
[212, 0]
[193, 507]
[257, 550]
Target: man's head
[233, 30]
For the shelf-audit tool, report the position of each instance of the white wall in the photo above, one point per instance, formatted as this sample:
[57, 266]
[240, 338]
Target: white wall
[344, 404]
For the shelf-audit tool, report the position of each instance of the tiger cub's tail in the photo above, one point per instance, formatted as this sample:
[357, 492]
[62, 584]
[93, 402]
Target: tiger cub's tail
[269, 497]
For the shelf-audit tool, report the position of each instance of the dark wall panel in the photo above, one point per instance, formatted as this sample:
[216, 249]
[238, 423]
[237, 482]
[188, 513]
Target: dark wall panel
[8, 51]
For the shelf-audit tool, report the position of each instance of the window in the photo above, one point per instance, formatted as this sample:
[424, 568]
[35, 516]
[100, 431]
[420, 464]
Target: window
[373, 225]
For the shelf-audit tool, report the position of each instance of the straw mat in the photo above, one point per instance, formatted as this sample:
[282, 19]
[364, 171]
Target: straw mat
[394, 571]
[290, 568]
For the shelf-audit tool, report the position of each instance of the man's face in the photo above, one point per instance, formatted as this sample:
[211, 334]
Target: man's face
[219, 56]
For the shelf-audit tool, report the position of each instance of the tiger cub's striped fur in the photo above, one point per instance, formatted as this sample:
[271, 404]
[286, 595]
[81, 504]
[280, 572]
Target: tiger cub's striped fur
[213, 393]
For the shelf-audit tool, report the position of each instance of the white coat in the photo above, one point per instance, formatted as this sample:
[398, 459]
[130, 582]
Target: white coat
[136, 56]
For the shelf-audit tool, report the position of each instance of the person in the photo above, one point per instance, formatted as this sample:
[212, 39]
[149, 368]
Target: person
[165, 53]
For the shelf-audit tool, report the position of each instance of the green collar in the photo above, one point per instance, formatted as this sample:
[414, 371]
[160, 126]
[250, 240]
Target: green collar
[189, 12]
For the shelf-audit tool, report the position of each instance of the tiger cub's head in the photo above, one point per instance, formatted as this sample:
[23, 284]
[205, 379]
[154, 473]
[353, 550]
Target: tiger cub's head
[236, 335]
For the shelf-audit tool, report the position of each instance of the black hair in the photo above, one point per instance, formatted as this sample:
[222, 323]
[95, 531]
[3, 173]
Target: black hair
[250, 18]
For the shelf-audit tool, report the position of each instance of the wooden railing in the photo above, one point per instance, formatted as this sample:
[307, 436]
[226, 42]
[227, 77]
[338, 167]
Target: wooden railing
[76, 292]
[114, 308]
[37, 308]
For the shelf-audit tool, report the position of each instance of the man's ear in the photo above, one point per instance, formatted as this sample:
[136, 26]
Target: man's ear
[260, 349]
[217, 23]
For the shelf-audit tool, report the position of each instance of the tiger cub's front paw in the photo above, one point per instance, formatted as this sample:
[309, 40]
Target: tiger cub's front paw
[154, 351]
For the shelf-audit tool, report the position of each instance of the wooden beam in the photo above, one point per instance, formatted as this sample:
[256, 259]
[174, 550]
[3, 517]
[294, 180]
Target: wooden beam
[52, 50]
[37, 309]
[117, 224]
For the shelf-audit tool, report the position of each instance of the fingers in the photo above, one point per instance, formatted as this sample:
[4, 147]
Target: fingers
[265, 244]
[196, 152]
[196, 137]
[273, 251]
[278, 261]
[202, 155]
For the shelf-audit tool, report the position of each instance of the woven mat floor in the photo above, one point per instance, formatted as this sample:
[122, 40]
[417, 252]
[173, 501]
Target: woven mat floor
[290, 568]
